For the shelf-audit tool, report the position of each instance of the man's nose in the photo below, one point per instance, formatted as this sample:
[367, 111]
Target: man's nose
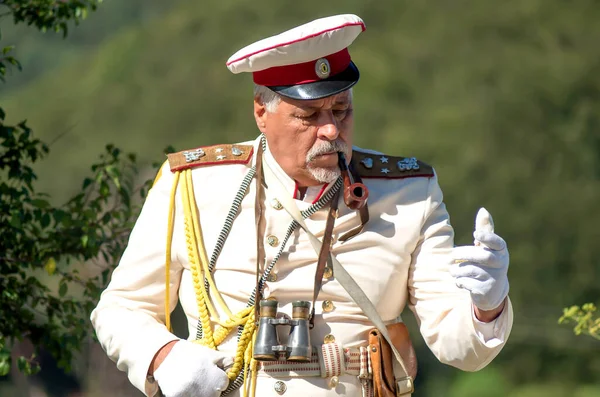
[328, 127]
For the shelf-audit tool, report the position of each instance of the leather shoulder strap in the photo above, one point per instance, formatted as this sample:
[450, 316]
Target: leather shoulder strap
[381, 166]
[210, 155]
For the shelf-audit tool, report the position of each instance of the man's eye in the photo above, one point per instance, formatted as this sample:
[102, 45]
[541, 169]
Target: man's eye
[307, 116]
[340, 114]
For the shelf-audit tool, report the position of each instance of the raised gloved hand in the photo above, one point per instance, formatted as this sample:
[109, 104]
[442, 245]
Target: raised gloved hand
[191, 370]
[482, 269]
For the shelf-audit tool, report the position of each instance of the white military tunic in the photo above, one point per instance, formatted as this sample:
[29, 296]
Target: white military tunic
[400, 258]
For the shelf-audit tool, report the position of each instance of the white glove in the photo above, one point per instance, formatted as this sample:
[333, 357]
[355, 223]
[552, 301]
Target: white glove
[191, 370]
[482, 269]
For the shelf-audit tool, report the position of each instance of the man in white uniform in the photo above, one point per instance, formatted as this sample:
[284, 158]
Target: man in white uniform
[220, 217]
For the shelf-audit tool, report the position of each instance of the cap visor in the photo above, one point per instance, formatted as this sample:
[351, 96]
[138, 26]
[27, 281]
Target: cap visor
[322, 88]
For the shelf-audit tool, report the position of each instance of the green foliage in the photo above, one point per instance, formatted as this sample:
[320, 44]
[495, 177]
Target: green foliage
[41, 53]
[46, 293]
[39, 238]
[5, 359]
[585, 319]
[49, 14]
[6, 60]
[44, 15]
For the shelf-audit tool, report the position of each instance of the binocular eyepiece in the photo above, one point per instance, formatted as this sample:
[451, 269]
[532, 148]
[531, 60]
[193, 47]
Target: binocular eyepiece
[267, 347]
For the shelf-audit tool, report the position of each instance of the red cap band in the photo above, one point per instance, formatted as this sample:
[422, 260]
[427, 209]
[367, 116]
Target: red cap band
[301, 73]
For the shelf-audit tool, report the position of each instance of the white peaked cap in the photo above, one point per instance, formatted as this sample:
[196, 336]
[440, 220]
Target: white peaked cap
[304, 43]
[311, 53]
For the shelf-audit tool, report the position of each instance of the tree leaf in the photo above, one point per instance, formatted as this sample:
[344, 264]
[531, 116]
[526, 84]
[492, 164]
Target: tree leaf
[62, 290]
[23, 365]
[15, 221]
[50, 266]
[5, 363]
[40, 203]
[45, 221]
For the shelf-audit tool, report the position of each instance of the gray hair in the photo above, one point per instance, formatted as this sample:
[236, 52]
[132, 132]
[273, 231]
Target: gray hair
[271, 99]
[268, 97]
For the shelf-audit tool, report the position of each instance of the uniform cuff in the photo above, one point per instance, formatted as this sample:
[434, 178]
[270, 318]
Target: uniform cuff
[494, 333]
[140, 337]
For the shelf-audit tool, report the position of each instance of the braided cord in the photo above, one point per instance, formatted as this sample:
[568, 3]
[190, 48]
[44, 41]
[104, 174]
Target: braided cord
[195, 246]
[225, 230]
[193, 256]
[170, 227]
[195, 220]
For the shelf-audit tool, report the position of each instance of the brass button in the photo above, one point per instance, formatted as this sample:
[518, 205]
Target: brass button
[271, 298]
[280, 387]
[276, 204]
[334, 381]
[272, 277]
[328, 272]
[273, 241]
[328, 339]
[327, 306]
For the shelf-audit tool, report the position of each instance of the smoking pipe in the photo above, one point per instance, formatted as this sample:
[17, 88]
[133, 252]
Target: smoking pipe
[355, 193]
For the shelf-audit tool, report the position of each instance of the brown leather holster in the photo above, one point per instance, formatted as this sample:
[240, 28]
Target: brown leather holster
[382, 358]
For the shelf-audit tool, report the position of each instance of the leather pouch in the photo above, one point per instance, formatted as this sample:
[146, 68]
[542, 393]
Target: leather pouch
[401, 340]
[384, 383]
[382, 361]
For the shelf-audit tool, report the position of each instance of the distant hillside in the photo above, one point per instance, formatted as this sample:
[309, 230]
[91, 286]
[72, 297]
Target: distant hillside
[42, 52]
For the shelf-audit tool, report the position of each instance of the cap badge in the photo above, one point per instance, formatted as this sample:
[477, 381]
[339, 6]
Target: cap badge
[322, 68]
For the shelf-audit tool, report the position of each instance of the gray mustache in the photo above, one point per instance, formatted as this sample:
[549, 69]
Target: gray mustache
[328, 147]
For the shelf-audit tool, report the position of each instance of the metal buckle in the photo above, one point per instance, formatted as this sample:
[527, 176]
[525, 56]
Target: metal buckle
[404, 386]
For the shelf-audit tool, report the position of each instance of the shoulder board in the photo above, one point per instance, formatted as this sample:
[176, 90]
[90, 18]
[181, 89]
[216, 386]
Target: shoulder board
[210, 155]
[370, 165]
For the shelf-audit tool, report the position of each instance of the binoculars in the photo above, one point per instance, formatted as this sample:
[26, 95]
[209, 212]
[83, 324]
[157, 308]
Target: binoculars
[267, 347]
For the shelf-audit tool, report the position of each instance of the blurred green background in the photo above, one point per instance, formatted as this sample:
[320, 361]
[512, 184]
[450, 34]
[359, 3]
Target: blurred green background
[503, 98]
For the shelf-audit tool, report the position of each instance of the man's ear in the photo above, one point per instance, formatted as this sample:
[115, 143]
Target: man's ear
[260, 115]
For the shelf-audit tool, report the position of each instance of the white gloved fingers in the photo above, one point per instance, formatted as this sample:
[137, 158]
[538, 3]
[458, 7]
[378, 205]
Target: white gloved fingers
[220, 379]
[215, 356]
[226, 362]
[190, 370]
[484, 221]
[470, 270]
[470, 284]
[487, 290]
[476, 254]
[481, 269]
[490, 295]
[489, 239]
